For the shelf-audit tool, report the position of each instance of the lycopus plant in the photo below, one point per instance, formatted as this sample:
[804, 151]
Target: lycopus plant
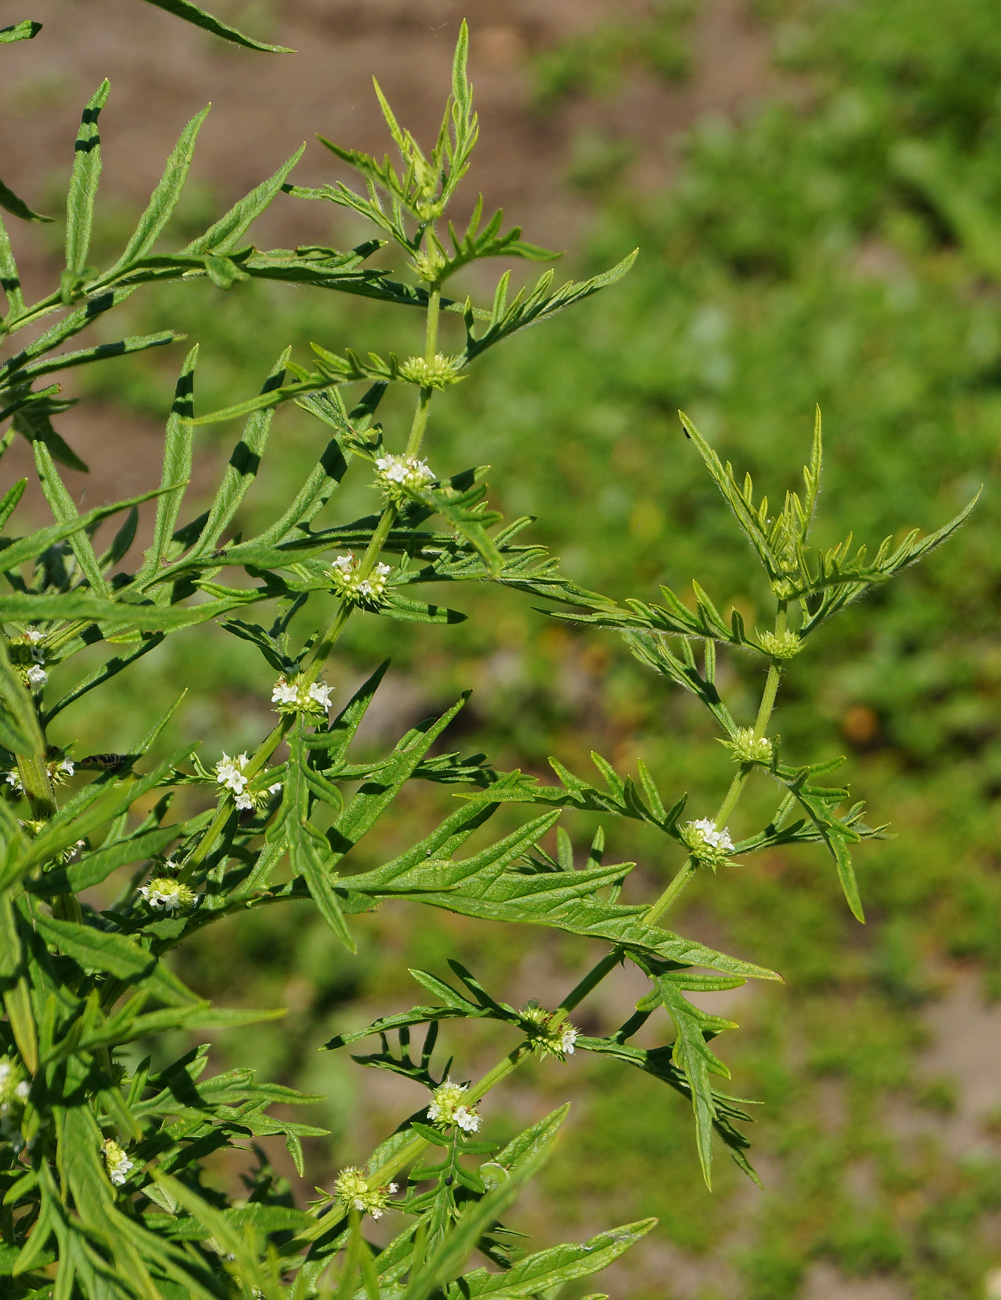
[104, 871]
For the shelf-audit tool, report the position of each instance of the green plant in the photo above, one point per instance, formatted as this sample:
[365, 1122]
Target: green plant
[80, 984]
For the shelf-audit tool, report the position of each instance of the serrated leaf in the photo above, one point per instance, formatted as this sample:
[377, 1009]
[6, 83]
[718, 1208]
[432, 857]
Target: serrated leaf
[116, 955]
[308, 849]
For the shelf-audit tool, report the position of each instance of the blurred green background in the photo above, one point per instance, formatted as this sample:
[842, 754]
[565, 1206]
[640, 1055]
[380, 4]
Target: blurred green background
[815, 188]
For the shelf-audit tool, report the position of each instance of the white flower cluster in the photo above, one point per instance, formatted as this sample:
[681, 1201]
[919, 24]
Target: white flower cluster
[13, 779]
[118, 1164]
[353, 1192]
[230, 775]
[707, 845]
[447, 1107]
[296, 697]
[556, 1040]
[347, 579]
[168, 893]
[400, 475]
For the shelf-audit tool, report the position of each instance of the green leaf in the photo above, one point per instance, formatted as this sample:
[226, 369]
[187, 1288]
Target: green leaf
[29, 548]
[94, 866]
[10, 280]
[119, 615]
[64, 510]
[482, 886]
[551, 1268]
[163, 199]
[242, 467]
[222, 237]
[83, 184]
[116, 955]
[375, 795]
[15, 206]
[192, 14]
[659, 1063]
[308, 849]
[23, 31]
[694, 1027]
[99, 352]
[406, 610]
[176, 467]
[538, 304]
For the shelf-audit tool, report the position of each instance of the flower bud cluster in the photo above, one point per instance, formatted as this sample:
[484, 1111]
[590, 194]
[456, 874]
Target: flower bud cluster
[229, 773]
[707, 845]
[780, 645]
[551, 1040]
[353, 1192]
[296, 697]
[167, 893]
[399, 476]
[448, 1108]
[60, 770]
[346, 576]
[117, 1163]
[438, 373]
[746, 747]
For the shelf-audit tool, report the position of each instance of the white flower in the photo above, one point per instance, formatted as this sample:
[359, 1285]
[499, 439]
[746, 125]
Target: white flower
[284, 692]
[34, 634]
[273, 789]
[568, 1036]
[343, 563]
[244, 801]
[170, 894]
[117, 1162]
[37, 676]
[66, 766]
[467, 1119]
[319, 692]
[15, 783]
[22, 1090]
[447, 1107]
